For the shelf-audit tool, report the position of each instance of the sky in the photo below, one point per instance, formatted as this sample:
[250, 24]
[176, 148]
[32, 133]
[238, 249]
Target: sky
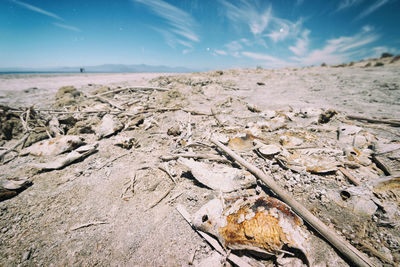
[197, 34]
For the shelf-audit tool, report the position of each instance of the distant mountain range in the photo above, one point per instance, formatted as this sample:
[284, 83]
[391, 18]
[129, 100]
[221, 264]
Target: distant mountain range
[114, 68]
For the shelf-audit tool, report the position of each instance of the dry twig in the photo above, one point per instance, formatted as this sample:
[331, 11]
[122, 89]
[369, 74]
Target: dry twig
[360, 118]
[87, 225]
[161, 198]
[219, 122]
[134, 88]
[195, 156]
[112, 160]
[21, 141]
[348, 175]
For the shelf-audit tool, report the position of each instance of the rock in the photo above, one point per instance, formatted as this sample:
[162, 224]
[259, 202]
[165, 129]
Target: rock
[326, 116]
[135, 122]
[26, 255]
[253, 108]
[269, 150]
[125, 142]
[174, 131]
[68, 96]
[290, 141]
[241, 142]
[109, 125]
[54, 146]
[54, 127]
[219, 177]
[215, 260]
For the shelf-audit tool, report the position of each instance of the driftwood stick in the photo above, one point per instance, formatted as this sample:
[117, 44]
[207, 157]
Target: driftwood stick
[112, 160]
[376, 253]
[195, 156]
[161, 198]
[361, 118]
[86, 225]
[219, 122]
[165, 169]
[214, 243]
[348, 175]
[134, 88]
[21, 141]
[352, 254]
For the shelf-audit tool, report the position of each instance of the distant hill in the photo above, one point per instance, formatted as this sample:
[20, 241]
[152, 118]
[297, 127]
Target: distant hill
[114, 68]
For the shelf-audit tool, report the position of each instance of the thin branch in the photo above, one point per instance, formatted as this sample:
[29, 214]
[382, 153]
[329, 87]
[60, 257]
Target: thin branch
[87, 225]
[134, 88]
[195, 156]
[21, 141]
[348, 175]
[360, 118]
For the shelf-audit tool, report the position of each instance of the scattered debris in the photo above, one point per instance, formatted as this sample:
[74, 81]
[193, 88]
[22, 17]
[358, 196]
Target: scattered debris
[87, 225]
[259, 224]
[126, 142]
[109, 125]
[62, 161]
[10, 188]
[219, 177]
[326, 116]
[54, 146]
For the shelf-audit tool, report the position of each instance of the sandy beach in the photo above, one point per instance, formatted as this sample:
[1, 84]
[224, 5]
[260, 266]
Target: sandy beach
[117, 207]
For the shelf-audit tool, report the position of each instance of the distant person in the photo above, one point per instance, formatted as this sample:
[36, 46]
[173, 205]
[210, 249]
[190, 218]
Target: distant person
[82, 70]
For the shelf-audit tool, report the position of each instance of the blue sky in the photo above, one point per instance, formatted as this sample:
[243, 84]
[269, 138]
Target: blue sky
[196, 33]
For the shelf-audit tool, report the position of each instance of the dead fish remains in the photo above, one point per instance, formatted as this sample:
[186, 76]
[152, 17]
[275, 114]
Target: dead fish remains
[262, 225]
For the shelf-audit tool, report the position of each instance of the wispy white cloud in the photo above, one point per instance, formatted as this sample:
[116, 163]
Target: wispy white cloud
[234, 46]
[268, 60]
[261, 20]
[181, 23]
[220, 52]
[283, 29]
[67, 27]
[375, 6]
[345, 4]
[340, 49]
[378, 50]
[301, 44]
[37, 9]
[250, 13]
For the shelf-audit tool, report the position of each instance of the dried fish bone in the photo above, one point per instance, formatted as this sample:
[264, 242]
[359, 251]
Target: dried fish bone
[258, 224]
[108, 126]
[60, 162]
[219, 177]
[54, 146]
[10, 188]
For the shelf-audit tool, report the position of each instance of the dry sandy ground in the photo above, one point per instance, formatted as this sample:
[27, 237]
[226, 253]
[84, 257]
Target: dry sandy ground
[37, 226]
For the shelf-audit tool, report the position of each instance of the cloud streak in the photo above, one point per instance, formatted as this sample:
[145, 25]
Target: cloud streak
[181, 23]
[268, 60]
[260, 20]
[67, 27]
[249, 13]
[340, 49]
[345, 4]
[378, 4]
[37, 9]
[301, 44]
